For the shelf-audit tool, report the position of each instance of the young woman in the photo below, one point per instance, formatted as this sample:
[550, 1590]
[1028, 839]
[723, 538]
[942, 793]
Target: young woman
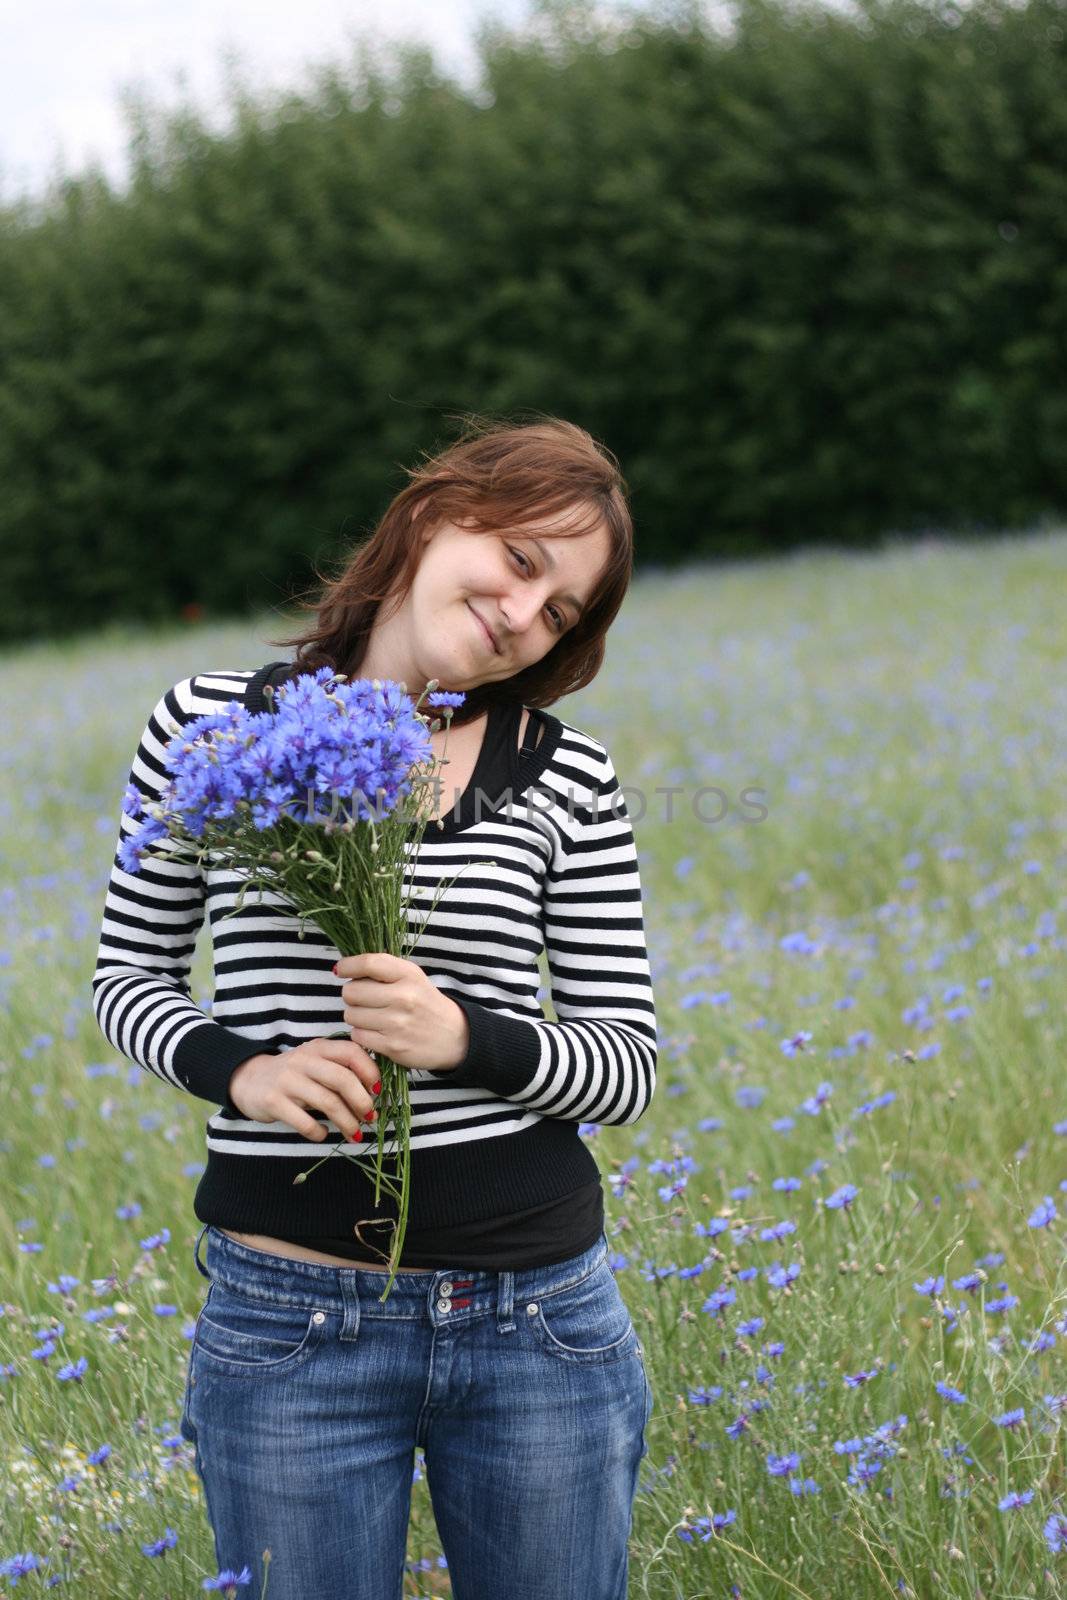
[504, 1348]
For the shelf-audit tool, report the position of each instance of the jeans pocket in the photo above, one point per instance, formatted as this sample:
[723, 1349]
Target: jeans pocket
[588, 1321]
[258, 1338]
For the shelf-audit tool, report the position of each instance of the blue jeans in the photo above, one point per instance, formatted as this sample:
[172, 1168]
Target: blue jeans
[306, 1398]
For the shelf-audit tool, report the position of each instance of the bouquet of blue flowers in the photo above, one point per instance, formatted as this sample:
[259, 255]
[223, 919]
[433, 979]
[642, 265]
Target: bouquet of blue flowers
[282, 798]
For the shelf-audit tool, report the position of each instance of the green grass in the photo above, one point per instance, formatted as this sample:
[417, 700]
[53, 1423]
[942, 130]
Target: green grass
[903, 715]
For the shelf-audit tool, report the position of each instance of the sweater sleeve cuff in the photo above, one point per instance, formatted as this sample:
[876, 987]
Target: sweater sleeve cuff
[503, 1053]
[206, 1059]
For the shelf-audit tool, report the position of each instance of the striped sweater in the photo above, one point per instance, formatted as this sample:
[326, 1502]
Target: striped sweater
[556, 869]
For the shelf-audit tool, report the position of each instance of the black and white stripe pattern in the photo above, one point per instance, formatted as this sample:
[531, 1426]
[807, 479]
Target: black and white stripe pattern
[560, 872]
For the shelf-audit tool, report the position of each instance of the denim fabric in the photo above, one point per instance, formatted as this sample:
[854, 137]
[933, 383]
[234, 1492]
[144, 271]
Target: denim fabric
[306, 1397]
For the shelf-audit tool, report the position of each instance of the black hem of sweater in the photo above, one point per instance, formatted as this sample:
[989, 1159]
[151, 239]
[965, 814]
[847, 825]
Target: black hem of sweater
[513, 1172]
[541, 1236]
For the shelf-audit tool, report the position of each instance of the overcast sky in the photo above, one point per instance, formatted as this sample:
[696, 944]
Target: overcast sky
[63, 63]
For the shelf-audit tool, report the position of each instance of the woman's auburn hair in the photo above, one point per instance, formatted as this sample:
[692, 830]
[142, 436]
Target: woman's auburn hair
[498, 475]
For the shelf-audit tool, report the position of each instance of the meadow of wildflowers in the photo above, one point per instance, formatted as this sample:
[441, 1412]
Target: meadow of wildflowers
[841, 1226]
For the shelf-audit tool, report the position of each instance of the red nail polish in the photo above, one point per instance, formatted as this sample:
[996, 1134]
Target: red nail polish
[377, 1087]
[357, 1137]
[335, 966]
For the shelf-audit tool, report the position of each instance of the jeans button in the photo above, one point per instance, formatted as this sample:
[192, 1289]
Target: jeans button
[320, 1316]
[531, 1309]
[444, 1305]
[446, 1289]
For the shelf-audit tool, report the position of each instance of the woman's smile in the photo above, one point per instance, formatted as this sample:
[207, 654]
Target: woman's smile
[486, 635]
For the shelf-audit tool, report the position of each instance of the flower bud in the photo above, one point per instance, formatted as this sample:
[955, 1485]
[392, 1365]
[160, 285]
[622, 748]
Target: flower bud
[313, 855]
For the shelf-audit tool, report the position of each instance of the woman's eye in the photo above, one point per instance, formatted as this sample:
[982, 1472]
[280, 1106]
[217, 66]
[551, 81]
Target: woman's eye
[562, 622]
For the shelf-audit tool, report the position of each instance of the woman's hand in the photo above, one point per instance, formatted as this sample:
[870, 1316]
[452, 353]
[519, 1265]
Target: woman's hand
[394, 1009]
[328, 1075]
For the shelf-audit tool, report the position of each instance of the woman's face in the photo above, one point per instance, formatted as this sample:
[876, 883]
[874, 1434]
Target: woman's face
[527, 596]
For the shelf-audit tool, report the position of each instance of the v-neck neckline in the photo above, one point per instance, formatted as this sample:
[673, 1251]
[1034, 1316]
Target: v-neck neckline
[502, 722]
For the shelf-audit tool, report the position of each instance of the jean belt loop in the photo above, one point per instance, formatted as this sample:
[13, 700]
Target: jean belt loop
[505, 1295]
[196, 1253]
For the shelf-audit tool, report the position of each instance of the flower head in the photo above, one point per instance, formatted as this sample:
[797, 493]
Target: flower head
[1043, 1214]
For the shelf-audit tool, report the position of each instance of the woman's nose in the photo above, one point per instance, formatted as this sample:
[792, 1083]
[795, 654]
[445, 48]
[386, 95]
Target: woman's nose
[519, 611]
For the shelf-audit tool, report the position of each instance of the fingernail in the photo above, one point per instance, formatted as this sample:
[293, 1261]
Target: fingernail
[335, 966]
[356, 1137]
[370, 1116]
[377, 1088]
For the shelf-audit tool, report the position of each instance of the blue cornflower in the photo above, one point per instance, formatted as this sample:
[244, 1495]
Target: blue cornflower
[786, 1184]
[841, 1197]
[876, 1104]
[1044, 1214]
[228, 1579]
[782, 1466]
[930, 1286]
[302, 755]
[791, 1047]
[969, 1282]
[736, 1428]
[779, 1230]
[704, 1396]
[167, 1542]
[803, 1486]
[863, 1469]
[1005, 1303]
[778, 1276]
[947, 1392]
[16, 1567]
[1010, 1419]
[1055, 1531]
[718, 1299]
[750, 1327]
[815, 1102]
[73, 1369]
[1017, 1498]
[855, 1379]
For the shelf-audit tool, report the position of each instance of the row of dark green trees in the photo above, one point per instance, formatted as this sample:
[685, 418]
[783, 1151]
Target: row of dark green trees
[805, 272]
